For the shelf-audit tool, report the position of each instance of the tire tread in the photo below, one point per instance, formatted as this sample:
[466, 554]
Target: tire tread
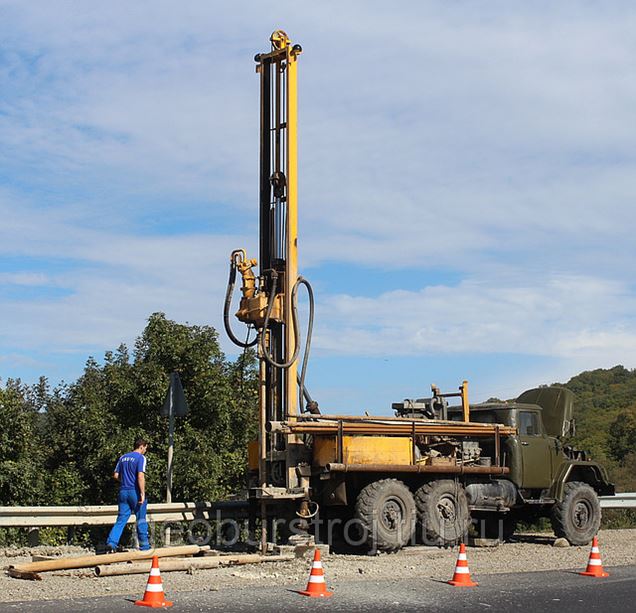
[560, 510]
[364, 511]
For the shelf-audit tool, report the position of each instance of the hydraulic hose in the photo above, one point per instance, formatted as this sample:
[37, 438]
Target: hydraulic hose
[312, 405]
[268, 313]
[302, 391]
[226, 309]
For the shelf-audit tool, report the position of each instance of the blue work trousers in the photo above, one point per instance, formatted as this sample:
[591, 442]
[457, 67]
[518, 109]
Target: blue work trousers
[128, 503]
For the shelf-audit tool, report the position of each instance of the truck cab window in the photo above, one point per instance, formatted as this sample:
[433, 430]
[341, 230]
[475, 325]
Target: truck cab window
[528, 424]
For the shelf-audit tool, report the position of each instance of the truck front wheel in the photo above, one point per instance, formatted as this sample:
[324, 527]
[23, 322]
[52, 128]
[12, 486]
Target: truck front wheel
[442, 512]
[578, 516]
[386, 512]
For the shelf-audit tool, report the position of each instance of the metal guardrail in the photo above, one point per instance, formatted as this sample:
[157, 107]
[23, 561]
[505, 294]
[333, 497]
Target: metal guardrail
[40, 517]
[622, 500]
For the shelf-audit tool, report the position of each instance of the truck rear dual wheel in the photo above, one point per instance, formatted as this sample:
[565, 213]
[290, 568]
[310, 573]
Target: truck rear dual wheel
[386, 512]
[578, 516]
[442, 512]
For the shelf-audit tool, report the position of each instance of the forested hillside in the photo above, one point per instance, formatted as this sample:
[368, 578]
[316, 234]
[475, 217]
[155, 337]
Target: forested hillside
[605, 413]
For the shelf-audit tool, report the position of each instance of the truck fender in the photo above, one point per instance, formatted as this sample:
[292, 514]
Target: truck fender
[591, 473]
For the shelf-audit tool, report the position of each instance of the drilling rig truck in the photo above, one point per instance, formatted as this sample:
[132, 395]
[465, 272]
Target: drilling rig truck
[424, 473]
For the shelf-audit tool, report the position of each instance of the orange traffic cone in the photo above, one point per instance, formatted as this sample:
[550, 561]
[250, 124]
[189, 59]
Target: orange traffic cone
[594, 564]
[316, 586]
[461, 577]
[154, 596]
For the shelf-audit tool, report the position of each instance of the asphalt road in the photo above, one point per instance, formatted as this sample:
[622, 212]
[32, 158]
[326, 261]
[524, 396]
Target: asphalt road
[544, 591]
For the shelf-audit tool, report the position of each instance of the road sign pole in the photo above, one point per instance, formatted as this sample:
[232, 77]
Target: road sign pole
[175, 405]
[170, 453]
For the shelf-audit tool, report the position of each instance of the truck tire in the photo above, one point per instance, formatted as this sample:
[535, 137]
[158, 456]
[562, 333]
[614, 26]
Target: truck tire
[578, 516]
[385, 510]
[442, 512]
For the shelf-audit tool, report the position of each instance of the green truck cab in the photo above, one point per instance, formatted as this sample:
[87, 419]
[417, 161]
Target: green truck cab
[547, 478]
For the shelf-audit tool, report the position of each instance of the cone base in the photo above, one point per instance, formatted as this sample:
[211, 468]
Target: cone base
[314, 594]
[154, 605]
[594, 574]
[463, 583]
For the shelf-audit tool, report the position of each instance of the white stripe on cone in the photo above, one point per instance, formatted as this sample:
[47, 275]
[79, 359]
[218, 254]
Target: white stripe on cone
[596, 550]
[462, 556]
[317, 564]
[316, 579]
[154, 587]
[154, 572]
[461, 570]
[593, 562]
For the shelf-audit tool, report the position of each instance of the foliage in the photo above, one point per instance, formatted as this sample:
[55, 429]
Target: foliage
[601, 395]
[61, 446]
[21, 475]
[622, 435]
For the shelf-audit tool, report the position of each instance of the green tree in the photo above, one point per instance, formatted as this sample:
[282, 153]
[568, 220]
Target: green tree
[94, 420]
[21, 475]
[622, 435]
[600, 396]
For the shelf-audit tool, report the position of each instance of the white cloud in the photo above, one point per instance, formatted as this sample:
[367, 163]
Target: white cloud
[558, 316]
[25, 279]
[116, 281]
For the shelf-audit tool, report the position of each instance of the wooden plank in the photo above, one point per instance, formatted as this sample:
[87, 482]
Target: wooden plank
[21, 574]
[67, 563]
[168, 566]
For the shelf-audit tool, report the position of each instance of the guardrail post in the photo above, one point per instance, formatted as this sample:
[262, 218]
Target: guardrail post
[33, 537]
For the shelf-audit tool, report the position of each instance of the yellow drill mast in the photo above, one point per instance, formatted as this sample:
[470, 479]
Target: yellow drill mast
[268, 301]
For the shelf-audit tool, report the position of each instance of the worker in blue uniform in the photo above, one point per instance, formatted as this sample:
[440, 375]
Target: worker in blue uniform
[130, 471]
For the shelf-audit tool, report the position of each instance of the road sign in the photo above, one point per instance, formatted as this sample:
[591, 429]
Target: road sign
[175, 401]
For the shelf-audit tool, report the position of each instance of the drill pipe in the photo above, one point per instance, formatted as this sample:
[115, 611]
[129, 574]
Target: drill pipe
[392, 428]
[417, 468]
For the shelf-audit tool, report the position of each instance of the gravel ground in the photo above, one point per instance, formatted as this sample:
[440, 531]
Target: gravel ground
[529, 553]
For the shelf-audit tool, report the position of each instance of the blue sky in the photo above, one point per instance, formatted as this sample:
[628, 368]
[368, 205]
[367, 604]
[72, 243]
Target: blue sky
[467, 184]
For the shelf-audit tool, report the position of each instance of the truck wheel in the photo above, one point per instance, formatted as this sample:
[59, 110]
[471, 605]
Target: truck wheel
[578, 516]
[442, 512]
[386, 512]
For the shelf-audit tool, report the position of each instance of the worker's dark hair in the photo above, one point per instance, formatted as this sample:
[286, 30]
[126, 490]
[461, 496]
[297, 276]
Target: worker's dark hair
[139, 442]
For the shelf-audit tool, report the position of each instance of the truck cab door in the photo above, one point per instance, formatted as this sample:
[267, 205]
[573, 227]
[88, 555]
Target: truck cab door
[535, 451]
